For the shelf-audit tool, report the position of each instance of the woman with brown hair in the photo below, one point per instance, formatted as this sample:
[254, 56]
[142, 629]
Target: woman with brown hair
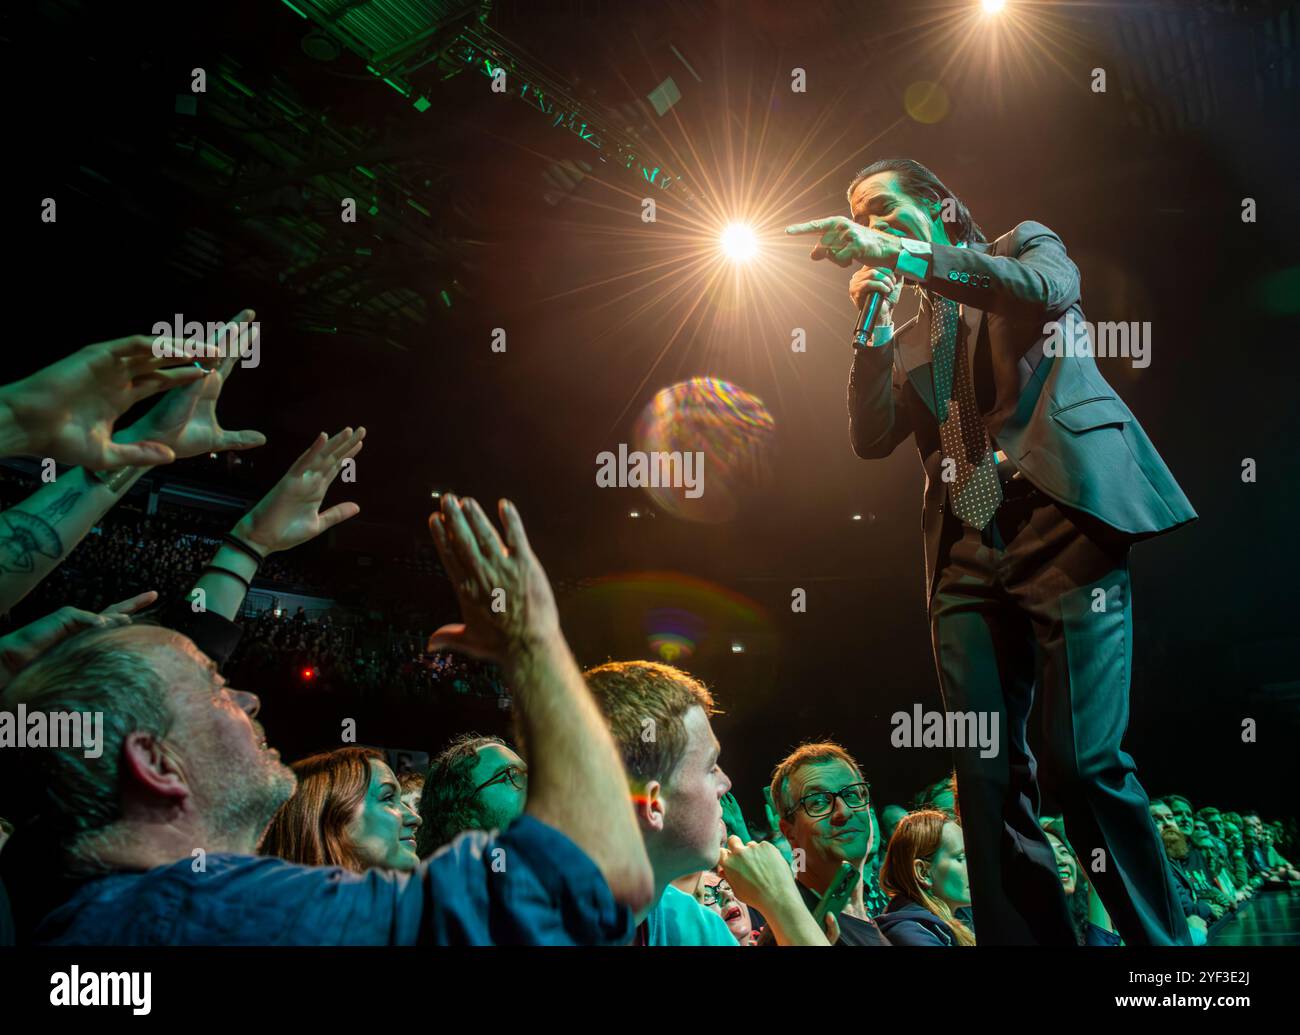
[347, 811]
[925, 873]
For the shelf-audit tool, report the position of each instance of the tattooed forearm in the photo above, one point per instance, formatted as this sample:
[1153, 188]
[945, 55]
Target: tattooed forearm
[60, 507]
[25, 536]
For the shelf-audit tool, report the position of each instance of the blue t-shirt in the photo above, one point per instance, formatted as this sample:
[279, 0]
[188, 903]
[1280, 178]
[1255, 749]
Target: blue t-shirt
[678, 919]
[530, 885]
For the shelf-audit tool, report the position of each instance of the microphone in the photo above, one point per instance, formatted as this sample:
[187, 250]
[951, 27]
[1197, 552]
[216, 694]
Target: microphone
[866, 321]
[866, 324]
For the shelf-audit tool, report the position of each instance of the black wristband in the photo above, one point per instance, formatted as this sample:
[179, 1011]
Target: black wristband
[243, 547]
[233, 574]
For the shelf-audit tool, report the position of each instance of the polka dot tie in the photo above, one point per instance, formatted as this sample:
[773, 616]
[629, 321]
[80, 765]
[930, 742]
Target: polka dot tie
[976, 491]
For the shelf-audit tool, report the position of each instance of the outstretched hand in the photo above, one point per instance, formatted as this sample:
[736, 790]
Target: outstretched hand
[185, 420]
[847, 243]
[23, 646]
[290, 515]
[67, 410]
[506, 602]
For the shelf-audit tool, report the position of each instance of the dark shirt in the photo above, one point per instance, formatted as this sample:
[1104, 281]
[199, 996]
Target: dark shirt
[853, 931]
[905, 922]
[530, 885]
[1100, 937]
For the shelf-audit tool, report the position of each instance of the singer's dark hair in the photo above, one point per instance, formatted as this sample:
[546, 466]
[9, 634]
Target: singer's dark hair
[918, 182]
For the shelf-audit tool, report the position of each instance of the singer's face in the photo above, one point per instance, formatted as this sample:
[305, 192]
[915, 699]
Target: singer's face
[879, 204]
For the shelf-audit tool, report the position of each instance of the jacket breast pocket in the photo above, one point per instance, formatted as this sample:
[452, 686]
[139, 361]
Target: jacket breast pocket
[1100, 412]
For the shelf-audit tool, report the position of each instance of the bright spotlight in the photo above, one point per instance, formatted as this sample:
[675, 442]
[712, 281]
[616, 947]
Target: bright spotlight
[994, 6]
[739, 243]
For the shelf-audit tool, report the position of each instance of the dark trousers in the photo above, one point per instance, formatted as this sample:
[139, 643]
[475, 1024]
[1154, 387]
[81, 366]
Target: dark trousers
[1038, 603]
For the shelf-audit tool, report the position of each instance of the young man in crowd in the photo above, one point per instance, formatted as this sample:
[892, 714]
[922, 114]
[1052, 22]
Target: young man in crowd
[659, 717]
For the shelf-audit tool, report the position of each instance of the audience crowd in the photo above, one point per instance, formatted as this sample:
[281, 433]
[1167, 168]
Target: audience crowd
[162, 815]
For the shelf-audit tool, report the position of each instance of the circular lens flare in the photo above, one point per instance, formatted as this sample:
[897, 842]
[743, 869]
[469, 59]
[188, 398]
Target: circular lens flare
[739, 243]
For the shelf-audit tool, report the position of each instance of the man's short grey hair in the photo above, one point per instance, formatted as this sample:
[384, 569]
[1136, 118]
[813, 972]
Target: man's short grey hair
[70, 796]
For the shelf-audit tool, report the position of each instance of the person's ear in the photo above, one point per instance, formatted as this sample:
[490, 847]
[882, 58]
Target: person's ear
[650, 806]
[152, 769]
[921, 868]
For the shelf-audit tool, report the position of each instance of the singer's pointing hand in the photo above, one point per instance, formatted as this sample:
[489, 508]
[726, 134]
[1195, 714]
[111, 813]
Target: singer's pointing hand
[847, 243]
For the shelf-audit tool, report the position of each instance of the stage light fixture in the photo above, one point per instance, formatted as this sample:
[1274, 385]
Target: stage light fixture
[994, 6]
[739, 243]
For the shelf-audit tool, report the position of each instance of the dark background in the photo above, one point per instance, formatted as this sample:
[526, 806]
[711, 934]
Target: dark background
[203, 205]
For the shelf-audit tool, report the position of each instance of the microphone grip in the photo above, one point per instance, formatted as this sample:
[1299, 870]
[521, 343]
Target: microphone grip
[866, 321]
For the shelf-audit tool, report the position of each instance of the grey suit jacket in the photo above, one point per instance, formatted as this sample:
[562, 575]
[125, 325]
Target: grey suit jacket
[1054, 415]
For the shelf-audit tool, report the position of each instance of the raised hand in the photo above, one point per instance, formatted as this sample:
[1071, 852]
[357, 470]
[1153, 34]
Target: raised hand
[290, 513]
[67, 410]
[847, 243]
[734, 818]
[186, 420]
[774, 825]
[506, 603]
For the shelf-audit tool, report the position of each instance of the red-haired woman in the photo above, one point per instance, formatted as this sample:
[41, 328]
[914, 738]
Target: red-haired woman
[347, 811]
[925, 873]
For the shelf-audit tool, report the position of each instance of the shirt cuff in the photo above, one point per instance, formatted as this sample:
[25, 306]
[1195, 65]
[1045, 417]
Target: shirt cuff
[913, 259]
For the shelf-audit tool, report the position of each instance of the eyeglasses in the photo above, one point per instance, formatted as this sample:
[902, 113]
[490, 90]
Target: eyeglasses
[822, 803]
[709, 896]
[518, 779]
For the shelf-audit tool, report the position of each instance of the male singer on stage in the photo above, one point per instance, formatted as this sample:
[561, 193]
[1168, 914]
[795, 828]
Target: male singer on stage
[1038, 480]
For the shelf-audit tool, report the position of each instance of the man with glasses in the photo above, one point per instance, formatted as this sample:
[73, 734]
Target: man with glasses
[824, 806]
[476, 783]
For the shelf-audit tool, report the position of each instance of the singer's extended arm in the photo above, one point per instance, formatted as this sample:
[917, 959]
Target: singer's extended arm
[881, 402]
[1036, 282]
